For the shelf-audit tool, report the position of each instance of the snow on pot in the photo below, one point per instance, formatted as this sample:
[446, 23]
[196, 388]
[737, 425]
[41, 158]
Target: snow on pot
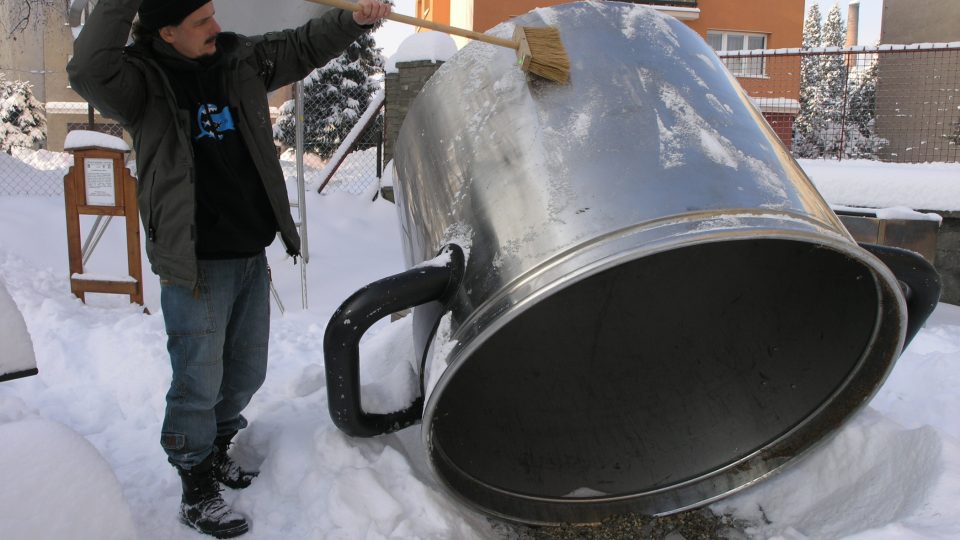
[640, 303]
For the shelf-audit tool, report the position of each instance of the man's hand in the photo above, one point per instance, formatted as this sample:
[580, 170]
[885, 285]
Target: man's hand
[370, 12]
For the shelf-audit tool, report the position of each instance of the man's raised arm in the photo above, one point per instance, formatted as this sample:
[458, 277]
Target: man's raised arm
[99, 71]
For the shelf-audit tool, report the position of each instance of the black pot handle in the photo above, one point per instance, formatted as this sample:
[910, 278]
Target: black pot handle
[341, 341]
[919, 282]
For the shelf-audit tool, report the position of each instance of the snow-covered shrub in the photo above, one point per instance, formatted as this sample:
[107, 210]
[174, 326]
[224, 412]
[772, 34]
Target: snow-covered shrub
[335, 96]
[23, 120]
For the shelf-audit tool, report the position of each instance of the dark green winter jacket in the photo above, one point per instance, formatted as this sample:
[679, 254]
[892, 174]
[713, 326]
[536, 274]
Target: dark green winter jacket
[127, 84]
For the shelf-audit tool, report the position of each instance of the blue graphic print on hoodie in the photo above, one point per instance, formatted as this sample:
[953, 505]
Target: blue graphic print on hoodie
[234, 218]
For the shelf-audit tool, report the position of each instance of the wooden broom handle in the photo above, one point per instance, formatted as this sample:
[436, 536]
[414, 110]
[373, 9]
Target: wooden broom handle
[413, 21]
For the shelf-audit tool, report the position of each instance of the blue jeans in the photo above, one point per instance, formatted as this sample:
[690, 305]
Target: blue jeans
[217, 339]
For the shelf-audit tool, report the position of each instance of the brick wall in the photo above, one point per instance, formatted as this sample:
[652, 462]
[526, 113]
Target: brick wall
[401, 89]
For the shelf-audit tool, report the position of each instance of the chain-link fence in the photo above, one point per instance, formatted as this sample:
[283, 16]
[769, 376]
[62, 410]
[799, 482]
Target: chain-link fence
[355, 166]
[29, 171]
[891, 103]
[39, 172]
[33, 172]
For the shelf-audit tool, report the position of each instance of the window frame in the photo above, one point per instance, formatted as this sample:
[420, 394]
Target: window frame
[742, 66]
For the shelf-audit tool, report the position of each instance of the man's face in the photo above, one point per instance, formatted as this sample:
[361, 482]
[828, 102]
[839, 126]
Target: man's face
[196, 36]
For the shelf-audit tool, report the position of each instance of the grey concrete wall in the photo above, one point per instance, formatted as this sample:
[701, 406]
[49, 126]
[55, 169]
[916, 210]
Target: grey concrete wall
[915, 91]
[920, 21]
[39, 51]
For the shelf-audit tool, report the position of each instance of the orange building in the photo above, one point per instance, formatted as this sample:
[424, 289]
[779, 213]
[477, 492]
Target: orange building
[727, 25]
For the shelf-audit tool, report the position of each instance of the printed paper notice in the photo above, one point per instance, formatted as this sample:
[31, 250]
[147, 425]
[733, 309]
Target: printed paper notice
[98, 176]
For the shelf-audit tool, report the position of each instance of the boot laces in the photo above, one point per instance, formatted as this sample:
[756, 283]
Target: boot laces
[214, 508]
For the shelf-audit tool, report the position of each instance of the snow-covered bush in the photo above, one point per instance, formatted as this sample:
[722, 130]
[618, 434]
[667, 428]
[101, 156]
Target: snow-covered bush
[335, 96]
[837, 114]
[23, 121]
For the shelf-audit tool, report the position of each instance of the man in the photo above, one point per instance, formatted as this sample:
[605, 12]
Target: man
[212, 197]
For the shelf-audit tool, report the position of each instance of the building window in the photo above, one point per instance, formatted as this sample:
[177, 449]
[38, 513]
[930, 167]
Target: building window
[737, 41]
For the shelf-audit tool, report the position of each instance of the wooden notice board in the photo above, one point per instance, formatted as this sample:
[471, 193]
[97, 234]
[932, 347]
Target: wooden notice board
[99, 184]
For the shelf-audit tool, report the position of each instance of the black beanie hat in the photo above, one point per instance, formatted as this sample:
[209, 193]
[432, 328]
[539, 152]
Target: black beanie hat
[155, 14]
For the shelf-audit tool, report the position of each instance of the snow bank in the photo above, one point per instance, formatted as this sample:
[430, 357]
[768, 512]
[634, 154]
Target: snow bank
[874, 472]
[19, 178]
[892, 472]
[924, 186]
[56, 485]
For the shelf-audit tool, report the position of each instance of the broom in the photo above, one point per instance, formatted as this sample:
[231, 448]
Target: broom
[539, 49]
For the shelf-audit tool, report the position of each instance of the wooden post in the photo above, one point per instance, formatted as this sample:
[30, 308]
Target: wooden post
[99, 183]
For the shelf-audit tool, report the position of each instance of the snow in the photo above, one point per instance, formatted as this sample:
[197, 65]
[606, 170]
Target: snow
[103, 277]
[926, 186]
[19, 176]
[81, 438]
[429, 46]
[57, 485]
[79, 138]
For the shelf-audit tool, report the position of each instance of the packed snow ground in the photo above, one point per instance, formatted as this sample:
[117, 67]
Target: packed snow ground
[81, 457]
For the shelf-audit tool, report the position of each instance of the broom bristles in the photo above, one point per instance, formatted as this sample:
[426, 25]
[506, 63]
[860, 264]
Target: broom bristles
[548, 57]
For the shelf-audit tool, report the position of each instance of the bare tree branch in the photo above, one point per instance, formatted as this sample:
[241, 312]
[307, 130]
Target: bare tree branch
[23, 13]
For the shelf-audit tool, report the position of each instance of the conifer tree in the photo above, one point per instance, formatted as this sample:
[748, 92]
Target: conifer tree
[808, 122]
[833, 81]
[860, 140]
[22, 119]
[335, 97]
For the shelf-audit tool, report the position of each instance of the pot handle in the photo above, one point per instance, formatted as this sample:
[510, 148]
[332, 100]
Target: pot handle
[918, 280]
[341, 341]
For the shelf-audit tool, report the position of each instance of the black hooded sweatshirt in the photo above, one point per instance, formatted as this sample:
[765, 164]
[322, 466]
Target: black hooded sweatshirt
[233, 218]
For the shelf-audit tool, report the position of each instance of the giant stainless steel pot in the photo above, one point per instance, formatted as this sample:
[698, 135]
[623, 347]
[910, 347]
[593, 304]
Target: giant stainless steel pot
[641, 302]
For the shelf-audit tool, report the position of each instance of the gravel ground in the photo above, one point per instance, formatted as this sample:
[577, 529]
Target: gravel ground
[699, 524]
